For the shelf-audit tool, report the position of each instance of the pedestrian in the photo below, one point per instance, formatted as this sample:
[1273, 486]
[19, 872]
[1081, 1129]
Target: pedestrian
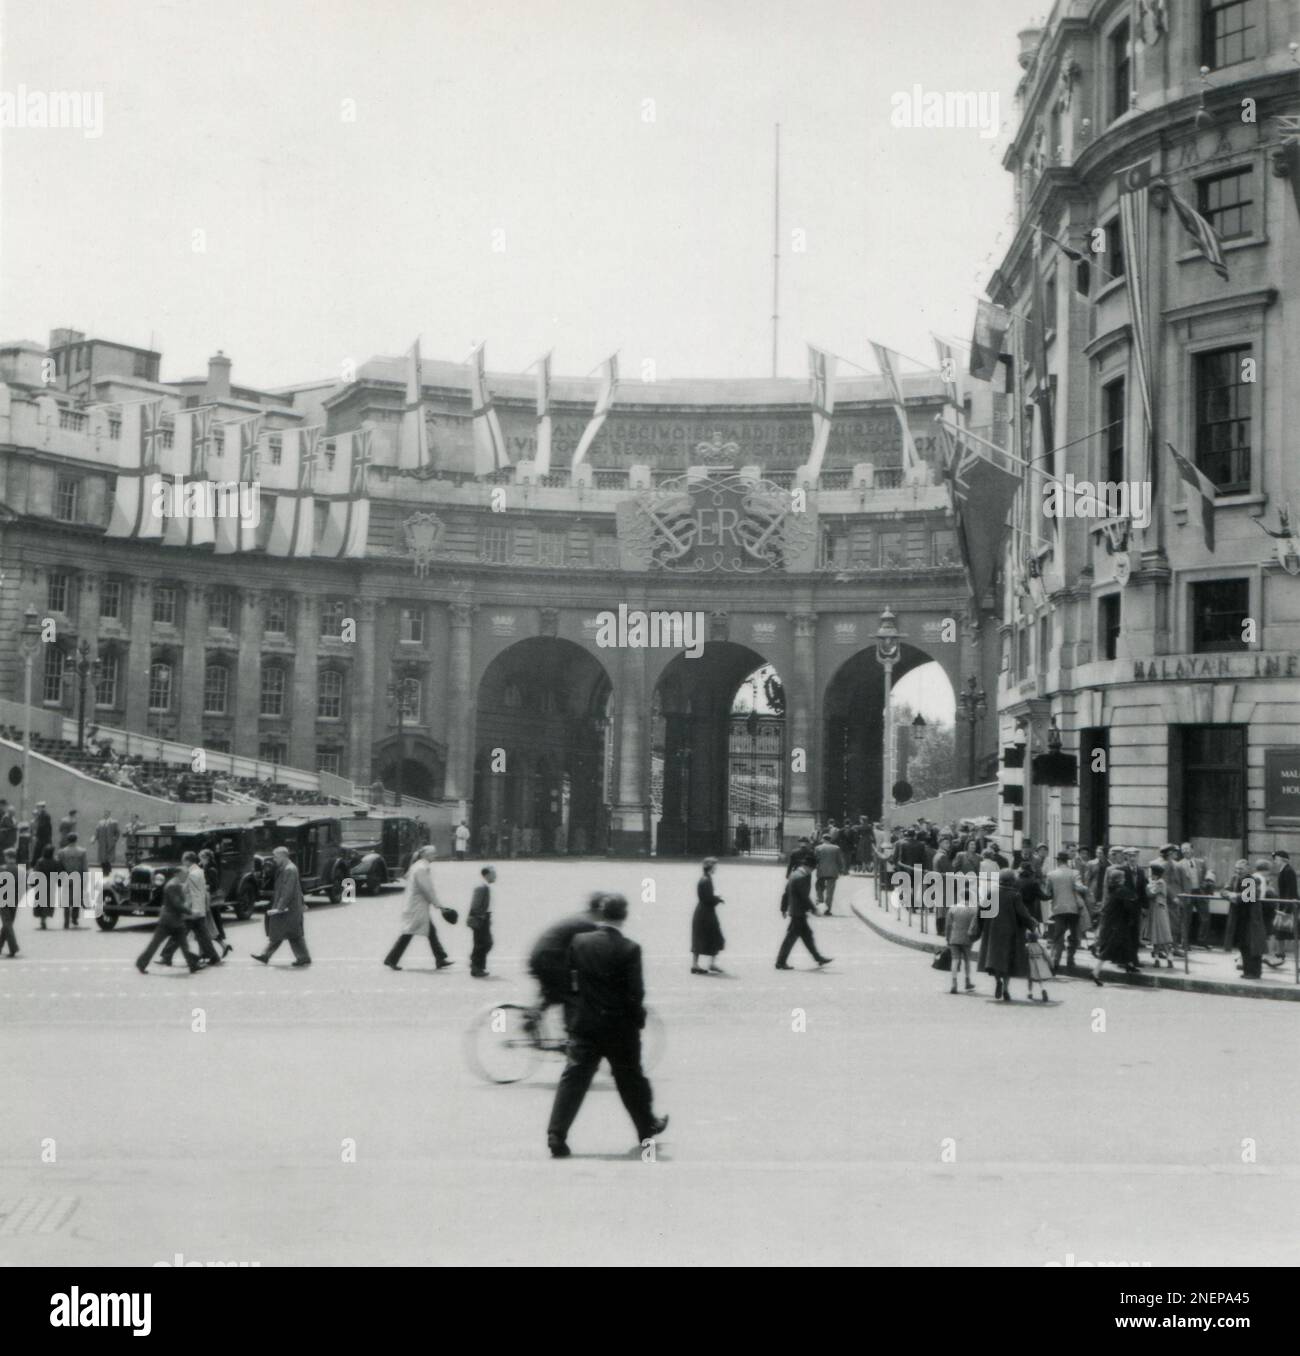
[963, 930]
[1162, 937]
[1032, 893]
[548, 962]
[198, 913]
[172, 919]
[801, 854]
[284, 919]
[797, 904]
[24, 844]
[8, 827]
[10, 898]
[1065, 893]
[461, 840]
[830, 867]
[479, 922]
[42, 831]
[73, 865]
[608, 1018]
[1002, 937]
[742, 838]
[1284, 912]
[107, 835]
[706, 931]
[212, 878]
[417, 918]
[1115, 939]
[67, 827]
[1251, 935]
[41, 875]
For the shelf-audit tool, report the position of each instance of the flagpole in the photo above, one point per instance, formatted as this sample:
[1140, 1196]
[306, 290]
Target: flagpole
[776, 249]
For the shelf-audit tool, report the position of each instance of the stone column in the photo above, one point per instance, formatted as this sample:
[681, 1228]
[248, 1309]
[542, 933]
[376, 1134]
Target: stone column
[361, 698]
[248, 674]
[87, 630]
[193, 663]
[302, 718]
[799, 816]
[630, 807]
[135, 671]
[460, 698]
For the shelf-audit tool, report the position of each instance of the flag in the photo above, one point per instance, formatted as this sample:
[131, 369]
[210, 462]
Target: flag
[294, 526]
[821, 372]
[190, 521]
[991, 325]
[489, 445]
[139, 472]
[1083, 265]
[885, 361]
[1203, 486]
[542, 461]
[347, 523]
[1042, 322]
[608, 385]
[948, 372]
[240, 466]
[1203, 234]
[413, 446]
[1133, 224]
[983, 490]
[1287, 160]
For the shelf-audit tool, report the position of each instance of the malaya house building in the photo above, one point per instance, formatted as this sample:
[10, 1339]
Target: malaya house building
[449, 642]
[1150, 672]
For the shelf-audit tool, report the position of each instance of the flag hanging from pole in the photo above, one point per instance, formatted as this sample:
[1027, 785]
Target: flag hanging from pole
[821, 373]
[1203, 486]
[885, 361]
[413, 445]
[347, 523]
[1134, 216]
[1042, 322]
[243, 440]
[542, 461]
[991, 325]
[1204, 235]
[294, 526]
[139, 472]
[983, 490]
[235, 490]
[948, 372]
[489, 445]
[190, 521]
[608, 385]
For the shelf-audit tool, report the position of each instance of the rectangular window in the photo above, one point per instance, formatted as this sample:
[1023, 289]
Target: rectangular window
[892, 553]
[216, 690]
[221, 609]
[496, 545]
[411, 624]
[275, 446]
[106, 680]
[110, 600]
[160, 687]
[943, 547]
[271, 751]
[1207, 782]
[1044, 642]
[328, 760]
[551, 548]
[1108, 623]
[1227, 32]
[329, 695]
[59, 592]
[277, 615]
[1113, 413]
[52, 683]
[332, 613]
[272, 703]
[835, 548]
[1225, 202]
[1223, 418]
[164, 605]
[67, 498]
[1113, 259]
[1219, 610]
[1121, 70]
[1022, 653]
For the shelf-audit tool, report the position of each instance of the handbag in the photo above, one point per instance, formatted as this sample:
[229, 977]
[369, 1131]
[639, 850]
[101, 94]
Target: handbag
[943, 961]
[1284, 921]
[450, 916]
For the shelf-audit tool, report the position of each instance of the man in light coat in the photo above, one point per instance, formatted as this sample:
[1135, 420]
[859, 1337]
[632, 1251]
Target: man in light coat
[417, 917]
[198, 908]
[107, 835]
[1067, 893]
[284, 919]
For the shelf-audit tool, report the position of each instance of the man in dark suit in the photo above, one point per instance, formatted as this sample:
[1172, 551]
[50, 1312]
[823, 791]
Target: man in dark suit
[548, 963]
[1286, 889]
[608, 1017]
[829, 857]
[42, 830]
[172, 921]
[479, 922]
[284, 917]
[797, 904]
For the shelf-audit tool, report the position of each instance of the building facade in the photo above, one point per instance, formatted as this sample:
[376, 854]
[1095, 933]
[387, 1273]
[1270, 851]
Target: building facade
[1164, 662]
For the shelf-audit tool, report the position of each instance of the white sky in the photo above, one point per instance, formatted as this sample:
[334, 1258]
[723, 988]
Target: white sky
[329, 240]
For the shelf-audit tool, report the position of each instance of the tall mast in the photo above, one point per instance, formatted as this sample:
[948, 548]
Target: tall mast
[776, 248]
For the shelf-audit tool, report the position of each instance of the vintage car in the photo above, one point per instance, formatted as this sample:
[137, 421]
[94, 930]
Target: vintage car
[152, 853]
[380, 847]
[316, 847]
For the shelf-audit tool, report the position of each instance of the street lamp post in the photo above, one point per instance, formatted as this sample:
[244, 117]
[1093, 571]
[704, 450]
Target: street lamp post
[887, 652]
[87, 667]
[971, 703]
[29, 642]
[397, 695]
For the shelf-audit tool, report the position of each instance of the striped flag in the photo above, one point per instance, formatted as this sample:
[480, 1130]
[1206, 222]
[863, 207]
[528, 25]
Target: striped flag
[1205, 237]
[542, 460]
[240, 463]
[294, 526]
[885, 361]
[1134, 217]
[983, 489]
[1042, 322]
[193, 448]
[1203, 486]
[604, 402]
[489, 445]
[821, 372]
[413, 446]
[991, 326]
[347, 524]
[139, 473]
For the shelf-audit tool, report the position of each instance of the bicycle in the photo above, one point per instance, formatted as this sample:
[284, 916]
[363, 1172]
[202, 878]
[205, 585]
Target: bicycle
[508, 1041]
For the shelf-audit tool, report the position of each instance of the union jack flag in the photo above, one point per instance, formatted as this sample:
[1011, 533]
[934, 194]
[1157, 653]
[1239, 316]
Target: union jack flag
[308, 458]
[152, 437]
[361, 459]
[250, 435]
[1204, 235]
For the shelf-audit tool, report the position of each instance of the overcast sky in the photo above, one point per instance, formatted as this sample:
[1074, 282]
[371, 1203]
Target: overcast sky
[623, 224]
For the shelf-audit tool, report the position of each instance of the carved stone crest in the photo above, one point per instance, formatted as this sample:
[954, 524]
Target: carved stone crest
[423, 534]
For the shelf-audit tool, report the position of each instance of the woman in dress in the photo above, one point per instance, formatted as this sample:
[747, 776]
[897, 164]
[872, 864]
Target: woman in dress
[706, 932]
[1161, 934]
[1114, 932]
[1002, 937]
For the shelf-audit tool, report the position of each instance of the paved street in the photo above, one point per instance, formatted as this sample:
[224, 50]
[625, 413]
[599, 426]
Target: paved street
[820, 1146]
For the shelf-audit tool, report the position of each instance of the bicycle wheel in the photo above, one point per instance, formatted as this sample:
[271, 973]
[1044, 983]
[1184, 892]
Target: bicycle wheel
[654, 1039]
[499, 1045]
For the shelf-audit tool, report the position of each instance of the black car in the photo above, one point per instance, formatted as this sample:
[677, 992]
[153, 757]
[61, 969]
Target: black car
[380, 847]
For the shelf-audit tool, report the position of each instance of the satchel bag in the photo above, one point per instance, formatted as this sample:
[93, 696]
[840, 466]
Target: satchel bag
[943, 961]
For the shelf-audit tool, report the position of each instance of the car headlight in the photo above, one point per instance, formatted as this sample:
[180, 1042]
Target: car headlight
[119, 878]
[159, 878]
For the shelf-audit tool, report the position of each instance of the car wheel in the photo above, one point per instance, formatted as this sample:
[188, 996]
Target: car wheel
[378, 878]
[245, 904]
[107, 921]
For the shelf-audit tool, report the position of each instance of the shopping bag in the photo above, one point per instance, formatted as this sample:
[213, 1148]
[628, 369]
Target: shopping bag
[943, 961]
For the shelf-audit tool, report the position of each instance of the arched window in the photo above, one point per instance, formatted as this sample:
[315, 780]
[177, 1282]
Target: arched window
[160, 686]
[216, 690]
[273, 686]
[329, 695]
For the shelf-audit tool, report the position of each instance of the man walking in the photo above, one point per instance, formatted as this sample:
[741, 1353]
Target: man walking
[8, 827]
[417, 917]
[284, 917]
[74, 864]
[171, 923]
[548, 963]
[67, 827]
[42, 830]
[479, 922]
[1065, 894]
[797, 904]
[9, 886]
[608, 1018]
[198, 910]
[107, 835]
[830, 867]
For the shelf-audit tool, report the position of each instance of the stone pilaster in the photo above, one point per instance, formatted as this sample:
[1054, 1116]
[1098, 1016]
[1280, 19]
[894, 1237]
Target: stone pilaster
[460, 744]
[248, 674]
[630, 832]
[361, 698]
[302, 687]
[802, 696]
[192, 665]
[135, 667]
